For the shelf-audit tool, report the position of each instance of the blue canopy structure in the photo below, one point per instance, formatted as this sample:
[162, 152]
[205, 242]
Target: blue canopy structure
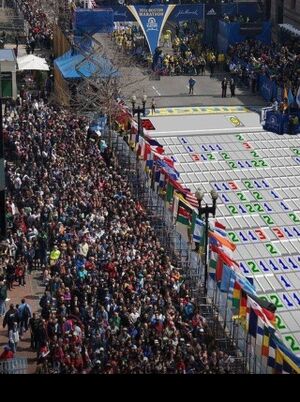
[74, 66]
[92, 21]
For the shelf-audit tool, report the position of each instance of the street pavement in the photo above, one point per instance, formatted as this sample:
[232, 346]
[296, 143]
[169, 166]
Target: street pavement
[173, 91]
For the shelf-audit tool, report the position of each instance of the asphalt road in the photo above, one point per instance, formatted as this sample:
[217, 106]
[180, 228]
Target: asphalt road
[173, 91]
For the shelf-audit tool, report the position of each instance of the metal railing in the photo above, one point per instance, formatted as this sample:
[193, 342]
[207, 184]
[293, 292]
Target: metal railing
[17, 365]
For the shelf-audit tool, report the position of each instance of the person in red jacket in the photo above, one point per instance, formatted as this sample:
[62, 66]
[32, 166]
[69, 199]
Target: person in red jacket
[7, 353]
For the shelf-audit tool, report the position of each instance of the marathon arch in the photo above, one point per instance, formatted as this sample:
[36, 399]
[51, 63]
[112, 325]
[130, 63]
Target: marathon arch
[152, 20]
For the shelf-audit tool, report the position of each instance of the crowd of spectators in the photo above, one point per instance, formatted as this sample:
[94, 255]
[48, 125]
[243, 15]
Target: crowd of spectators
[40, 30]
[114, 302]
[279, 62]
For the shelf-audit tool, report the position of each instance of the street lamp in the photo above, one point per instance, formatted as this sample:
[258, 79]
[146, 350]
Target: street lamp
[139, 110]
[206, 211]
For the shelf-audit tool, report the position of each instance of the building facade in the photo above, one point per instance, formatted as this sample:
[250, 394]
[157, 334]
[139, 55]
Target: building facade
[283, 12]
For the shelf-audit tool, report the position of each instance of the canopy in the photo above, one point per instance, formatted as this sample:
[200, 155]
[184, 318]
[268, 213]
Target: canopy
[31, 62]
[68, 65]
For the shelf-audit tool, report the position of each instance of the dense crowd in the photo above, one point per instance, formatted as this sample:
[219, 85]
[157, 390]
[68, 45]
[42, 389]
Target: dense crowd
[113, 301]
[281, 63]
[40, 30]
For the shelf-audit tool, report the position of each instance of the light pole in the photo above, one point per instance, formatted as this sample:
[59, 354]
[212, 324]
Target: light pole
[138, 110]
[206, 211]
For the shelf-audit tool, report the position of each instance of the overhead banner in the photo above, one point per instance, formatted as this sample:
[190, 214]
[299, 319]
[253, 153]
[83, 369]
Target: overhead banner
[152, 20]
[188, 12]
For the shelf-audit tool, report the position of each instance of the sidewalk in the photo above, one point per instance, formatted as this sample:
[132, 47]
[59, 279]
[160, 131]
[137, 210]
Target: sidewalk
[32, 293]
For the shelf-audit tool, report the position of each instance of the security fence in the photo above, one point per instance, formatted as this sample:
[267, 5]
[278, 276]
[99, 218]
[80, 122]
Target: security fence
[17, 365]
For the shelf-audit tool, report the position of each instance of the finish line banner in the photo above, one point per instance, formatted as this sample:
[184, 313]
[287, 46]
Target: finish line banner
[152, 20]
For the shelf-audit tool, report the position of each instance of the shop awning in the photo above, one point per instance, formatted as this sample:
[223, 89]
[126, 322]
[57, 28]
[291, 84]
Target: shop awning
[31, 62]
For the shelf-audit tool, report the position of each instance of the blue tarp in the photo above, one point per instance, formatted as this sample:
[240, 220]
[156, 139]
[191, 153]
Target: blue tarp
[92, 21]
[229, 34]
[67, 64]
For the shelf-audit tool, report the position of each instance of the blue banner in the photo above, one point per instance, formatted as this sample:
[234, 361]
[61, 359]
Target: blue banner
[268, 88]
[187, 12]
[274, 122]
[122, 14]
[152, 20]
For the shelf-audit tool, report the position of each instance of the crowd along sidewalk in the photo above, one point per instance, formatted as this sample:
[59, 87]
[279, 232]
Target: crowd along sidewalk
[32, 292]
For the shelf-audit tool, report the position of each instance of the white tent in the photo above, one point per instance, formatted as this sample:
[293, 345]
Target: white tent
[31, 62]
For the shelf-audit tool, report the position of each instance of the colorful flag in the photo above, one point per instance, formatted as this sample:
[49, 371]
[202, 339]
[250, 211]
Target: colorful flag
[219, 225]
[198, 232]
[191, 199]
[226, 278]
[243, 305]
[266, 315]
[252, 323]
[219, 269]
[236, 297]
[222, 240]
[184, 213]
[272, 352]
[213, 258]
[170, 192]
[259, 336]
[291, 362]
[175, 207]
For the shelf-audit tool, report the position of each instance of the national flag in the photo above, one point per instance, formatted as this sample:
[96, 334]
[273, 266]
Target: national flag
[184, 213]
[226, 259]
[266, 315]
[146, 152]
[153, 142]
[168, 161]
[191, 199]
[222, 240]
[169, 170]
[178, 186]
[219, 269]
[236, 297]
[252, 323]
[245, 284]
[198, 231]
[158, 151]
[219, 225]
[259, 335]
[170, 192]
[291, 362]
[278, 362]
[175, 207]
[298, 97]
[266, 341]
[213, 258]
[243, 305]
[161, 183]
[272, 352]
[291, 97]
[226, 278]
